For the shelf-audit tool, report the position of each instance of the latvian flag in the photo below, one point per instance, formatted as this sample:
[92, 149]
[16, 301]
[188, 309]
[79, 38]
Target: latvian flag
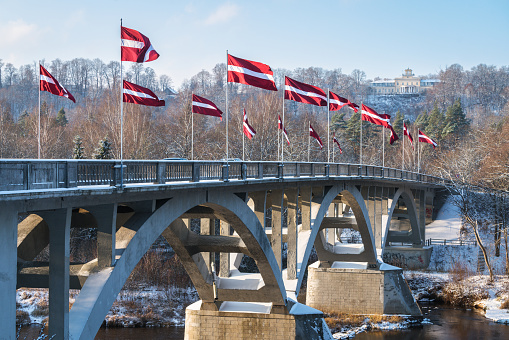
[50, 84]
[280, 127]
[394, 136]
[137, 94]
[370, 115]
[313, 134]
[250, 73]
[248, 129]
[304, 93]
[135, 46]
[206, 107]
[425, 139]
[407, 133]
[336, 102]
[335, 140]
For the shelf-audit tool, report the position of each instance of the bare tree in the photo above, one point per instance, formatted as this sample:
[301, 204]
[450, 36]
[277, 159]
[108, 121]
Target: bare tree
[460, 168]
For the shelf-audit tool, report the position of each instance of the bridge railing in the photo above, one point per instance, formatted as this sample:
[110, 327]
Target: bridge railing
[23, 174]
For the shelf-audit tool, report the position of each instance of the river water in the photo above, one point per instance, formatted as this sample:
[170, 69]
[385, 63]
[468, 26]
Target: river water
[447, 324]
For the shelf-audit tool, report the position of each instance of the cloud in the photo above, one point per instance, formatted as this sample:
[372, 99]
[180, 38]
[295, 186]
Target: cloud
[222, 14]
[13, 32]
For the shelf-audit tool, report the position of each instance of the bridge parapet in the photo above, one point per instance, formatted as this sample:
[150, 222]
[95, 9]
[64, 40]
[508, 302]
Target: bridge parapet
[23, 174]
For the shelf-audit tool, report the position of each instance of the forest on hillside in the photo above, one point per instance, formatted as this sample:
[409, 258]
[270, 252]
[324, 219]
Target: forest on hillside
[466, 114]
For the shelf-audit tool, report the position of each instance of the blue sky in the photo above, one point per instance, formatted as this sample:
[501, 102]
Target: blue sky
[380, 37]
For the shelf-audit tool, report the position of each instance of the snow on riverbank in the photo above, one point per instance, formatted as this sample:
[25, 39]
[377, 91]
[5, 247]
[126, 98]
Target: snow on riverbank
[470, 291]
[147, 307]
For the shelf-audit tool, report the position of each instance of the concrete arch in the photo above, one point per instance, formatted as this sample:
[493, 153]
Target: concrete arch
[102, 288]
[409, 200]
[354, 199]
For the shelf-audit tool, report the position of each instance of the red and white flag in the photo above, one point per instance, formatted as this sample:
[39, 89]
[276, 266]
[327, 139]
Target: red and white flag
[50, 84]
[336, 102]
[280, 127]
[370, 115]
[206, 107]
[407, 133]
[137, 94]
[394, 136]
[250, 73]
[425, 139]
[248, 129]
[135, 46]
[304, 93]
[313, 134]
[335, 140]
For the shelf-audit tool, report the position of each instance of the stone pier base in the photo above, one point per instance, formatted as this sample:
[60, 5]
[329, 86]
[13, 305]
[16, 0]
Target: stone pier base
[302, 322]
[357, 290]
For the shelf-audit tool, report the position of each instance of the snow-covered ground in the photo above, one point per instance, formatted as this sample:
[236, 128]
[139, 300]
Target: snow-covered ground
[147, 307]
[447, 224]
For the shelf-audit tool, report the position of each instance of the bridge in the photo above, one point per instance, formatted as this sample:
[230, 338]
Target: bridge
[264, 210]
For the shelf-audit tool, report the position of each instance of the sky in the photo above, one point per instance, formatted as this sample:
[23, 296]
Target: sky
[379, 37]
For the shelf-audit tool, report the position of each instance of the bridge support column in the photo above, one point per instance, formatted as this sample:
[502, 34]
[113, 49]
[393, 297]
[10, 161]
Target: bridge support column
[276, 239]
[259, 205]
[59, 222]
[305, 207]
[293, 203]
[106, 217]
[224, 258]
[8, 267]
[422, 214]
[208, 227]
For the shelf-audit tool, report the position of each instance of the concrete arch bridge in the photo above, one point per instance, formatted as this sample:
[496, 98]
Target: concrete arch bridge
[352, 215]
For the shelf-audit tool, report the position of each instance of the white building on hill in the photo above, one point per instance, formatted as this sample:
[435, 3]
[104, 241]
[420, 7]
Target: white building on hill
[408, 83]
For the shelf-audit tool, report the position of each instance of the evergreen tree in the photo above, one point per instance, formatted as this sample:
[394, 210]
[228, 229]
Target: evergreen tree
[104, 149]
[398, 124]
[23, 123]
[422, 121]
[61, 120]
[338, 122]
[455, 119]
[435, 124]
[353, 129]
[78, 148]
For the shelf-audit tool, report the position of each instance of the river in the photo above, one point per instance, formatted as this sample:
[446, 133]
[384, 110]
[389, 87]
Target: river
[447, 324]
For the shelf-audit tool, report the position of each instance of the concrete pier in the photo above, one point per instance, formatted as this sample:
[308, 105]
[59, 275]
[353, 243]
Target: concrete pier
[353, 288]
[248, 321]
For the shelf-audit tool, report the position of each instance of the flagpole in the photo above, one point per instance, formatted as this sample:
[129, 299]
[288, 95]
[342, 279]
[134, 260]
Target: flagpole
[39, 119]
[283, 130]
[418, 154]
[192, 128]
[243, 136]
[360, 157]
[333, 151]
[383, 146]
[309, 138]
[227, 109]
[403, 157]
[121, 115]
[328, 126]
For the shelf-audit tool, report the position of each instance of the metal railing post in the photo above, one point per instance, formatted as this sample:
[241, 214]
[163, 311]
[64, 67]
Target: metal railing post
[71, 180]
[161, 173]
[280, 171]
[260, 170]
[195, 169]
[225, 173]
[243, 171]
